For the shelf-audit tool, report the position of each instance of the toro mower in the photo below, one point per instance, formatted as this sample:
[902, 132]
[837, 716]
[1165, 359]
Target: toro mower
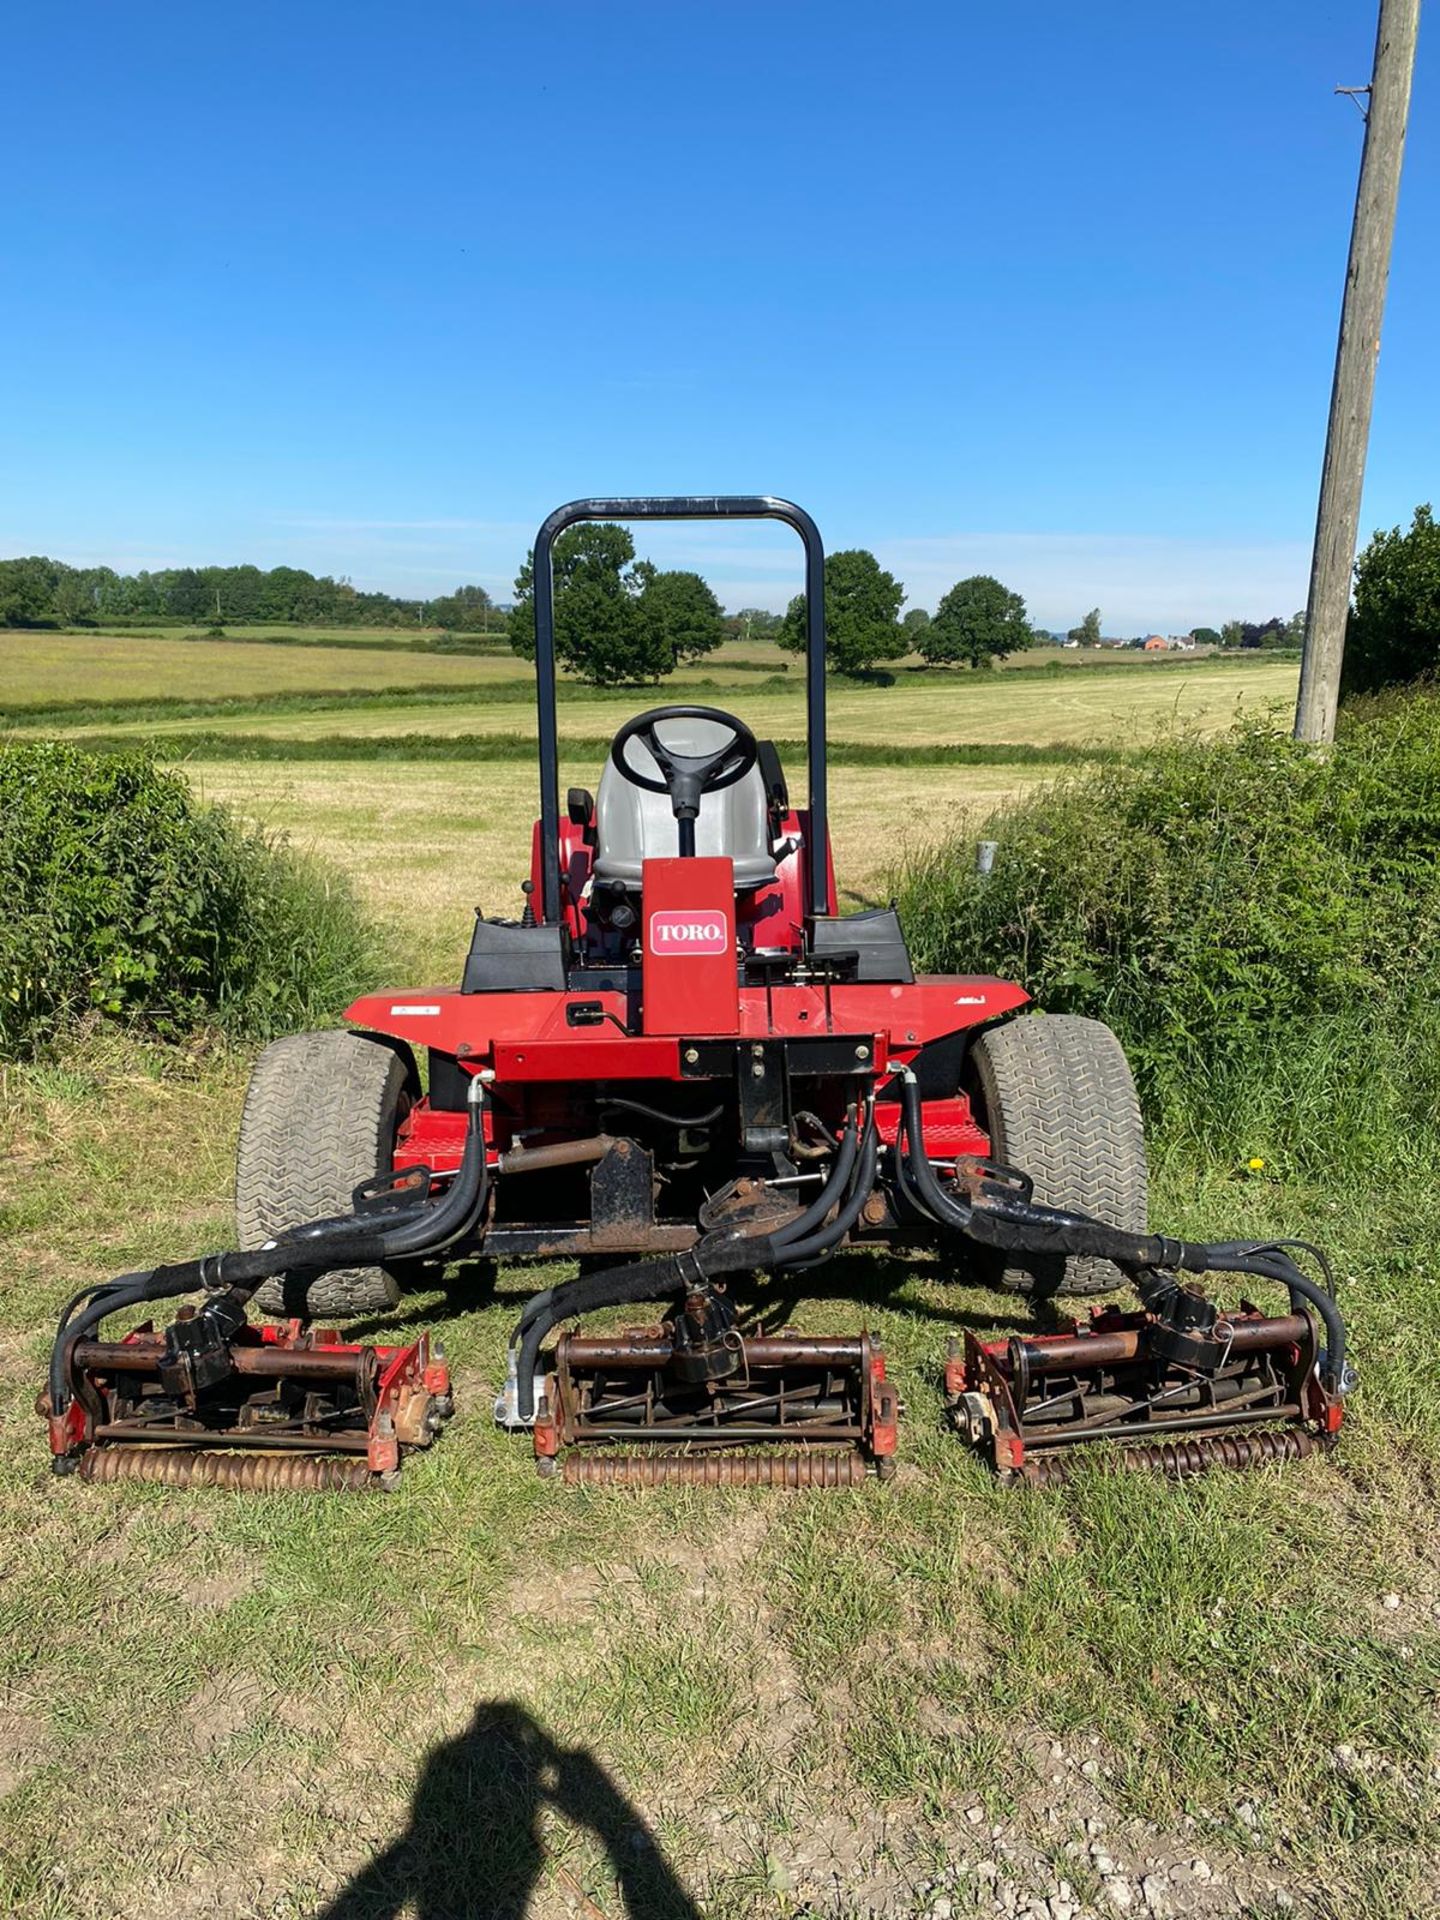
[681, 1066]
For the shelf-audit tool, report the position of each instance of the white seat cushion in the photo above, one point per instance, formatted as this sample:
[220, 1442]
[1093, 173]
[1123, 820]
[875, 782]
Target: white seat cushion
[633, 826]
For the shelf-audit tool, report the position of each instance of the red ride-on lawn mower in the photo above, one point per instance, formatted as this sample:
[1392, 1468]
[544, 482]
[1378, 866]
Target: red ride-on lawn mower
[679, 1067]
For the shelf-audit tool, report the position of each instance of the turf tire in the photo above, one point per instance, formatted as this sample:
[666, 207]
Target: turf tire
[1057, 1098]
[321, 1114]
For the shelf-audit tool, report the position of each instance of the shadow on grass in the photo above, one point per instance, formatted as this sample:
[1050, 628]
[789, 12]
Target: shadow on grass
[474, 1846]
[870, 1278]
[864, 1277]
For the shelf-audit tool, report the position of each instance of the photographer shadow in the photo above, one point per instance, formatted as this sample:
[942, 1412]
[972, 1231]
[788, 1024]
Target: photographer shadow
[474, 1850]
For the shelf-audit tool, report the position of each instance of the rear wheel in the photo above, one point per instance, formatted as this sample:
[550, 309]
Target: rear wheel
[321, 1115]
[1057, 1097]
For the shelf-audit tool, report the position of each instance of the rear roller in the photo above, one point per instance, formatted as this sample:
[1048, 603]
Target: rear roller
[695, 1403]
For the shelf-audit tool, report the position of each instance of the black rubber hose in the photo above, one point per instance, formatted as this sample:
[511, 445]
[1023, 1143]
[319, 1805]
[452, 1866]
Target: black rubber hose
[829, 1236]
[805, 1223]
[1023, 1226]
[800, 1256]
[348, 1241]
[1282, 1269]
[434, 1227]
[759, 1248]
[343, 1242]
[903, 1185]
[946, 1210]
[615, 1287]
[711, 1257]
[130, 1290]
[676, 1120]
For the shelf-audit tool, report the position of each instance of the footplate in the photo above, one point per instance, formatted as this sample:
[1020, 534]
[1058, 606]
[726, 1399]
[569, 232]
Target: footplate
[1030, 1406]
[277, 1409]
[789, 1410]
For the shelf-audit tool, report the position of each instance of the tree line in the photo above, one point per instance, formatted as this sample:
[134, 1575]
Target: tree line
[619, 619]
[39, 592]
[622, 620]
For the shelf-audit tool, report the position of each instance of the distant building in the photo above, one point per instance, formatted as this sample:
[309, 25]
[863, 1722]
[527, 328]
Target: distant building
[1157, 643]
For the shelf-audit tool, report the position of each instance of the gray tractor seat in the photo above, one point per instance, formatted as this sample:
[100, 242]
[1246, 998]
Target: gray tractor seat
[632, 826]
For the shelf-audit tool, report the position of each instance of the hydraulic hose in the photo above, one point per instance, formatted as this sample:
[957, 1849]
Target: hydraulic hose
[849, 1184]
[316, 1246]
[129, 1290]
[1008, 1222]
[788, 1251]
[803, 1224]
[1273, 1264]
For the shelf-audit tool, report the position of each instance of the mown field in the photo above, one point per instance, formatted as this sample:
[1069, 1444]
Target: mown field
[481, 1697]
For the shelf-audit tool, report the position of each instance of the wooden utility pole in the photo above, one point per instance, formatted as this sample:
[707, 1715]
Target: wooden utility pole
[1343, 476]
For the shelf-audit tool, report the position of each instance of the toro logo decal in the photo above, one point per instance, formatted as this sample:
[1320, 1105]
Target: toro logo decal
[698, 932]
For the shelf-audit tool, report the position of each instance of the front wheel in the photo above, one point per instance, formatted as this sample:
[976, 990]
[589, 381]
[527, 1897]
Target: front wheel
[1057, 1097]
[321, 1115]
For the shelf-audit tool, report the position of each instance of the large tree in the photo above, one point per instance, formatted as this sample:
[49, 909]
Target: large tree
[690, 619]
[1394, 631]
[862, 614]
[618, 620]
[27, 590]
[1088, 631]
[977, 622]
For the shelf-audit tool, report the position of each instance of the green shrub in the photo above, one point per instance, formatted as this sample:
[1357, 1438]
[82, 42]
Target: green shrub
[1259, 922]
[125, 895]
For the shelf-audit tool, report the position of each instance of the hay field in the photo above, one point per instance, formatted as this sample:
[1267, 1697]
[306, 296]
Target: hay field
[427, 842]
[1120, 706]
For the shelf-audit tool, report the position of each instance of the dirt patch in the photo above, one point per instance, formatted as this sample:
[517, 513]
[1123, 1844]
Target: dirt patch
[217, 1590]
[224, 1706]
[24, 1739]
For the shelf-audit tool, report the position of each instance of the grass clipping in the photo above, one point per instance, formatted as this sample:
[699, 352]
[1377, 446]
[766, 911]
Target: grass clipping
[1258, 921]
[125, 896]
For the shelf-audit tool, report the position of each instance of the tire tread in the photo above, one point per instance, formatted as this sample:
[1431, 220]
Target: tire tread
[319, 1118]
[1060, 1103]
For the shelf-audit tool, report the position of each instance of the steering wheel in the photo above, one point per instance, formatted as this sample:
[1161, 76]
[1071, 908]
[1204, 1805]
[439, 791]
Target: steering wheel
[685, 776]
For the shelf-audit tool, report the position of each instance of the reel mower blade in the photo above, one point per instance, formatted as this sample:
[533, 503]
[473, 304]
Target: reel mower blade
[269, 1409]
[776, 1410]
[1114, 1385]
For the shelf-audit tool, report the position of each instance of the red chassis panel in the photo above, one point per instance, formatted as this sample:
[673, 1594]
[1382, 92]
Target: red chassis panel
[486, 1029]
[525, 1040]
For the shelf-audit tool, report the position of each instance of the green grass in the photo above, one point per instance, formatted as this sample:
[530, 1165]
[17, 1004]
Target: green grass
[1120, 708]
[766, 1681]
[418, 748]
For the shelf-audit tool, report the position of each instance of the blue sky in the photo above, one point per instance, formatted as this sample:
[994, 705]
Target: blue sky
[1047, 291]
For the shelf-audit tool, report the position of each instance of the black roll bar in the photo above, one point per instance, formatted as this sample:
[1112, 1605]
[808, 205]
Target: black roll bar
[740, 506]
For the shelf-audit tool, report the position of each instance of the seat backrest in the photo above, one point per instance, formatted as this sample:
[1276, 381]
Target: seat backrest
[632, 826]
